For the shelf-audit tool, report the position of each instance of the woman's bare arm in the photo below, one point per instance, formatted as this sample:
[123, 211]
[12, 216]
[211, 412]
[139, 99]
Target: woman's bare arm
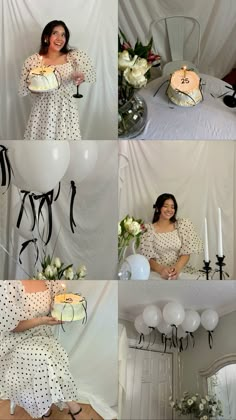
[35, 322]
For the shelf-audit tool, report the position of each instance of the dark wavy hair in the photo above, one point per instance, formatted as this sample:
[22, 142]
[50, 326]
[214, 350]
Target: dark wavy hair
[160, 203]
[47, 32]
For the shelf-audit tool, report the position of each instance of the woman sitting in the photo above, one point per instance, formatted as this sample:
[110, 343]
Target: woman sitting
[168, 241]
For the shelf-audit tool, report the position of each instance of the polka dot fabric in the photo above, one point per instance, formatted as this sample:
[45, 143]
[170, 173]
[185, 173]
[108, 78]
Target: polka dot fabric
[55, 115]
[34, 368]
[166, 248]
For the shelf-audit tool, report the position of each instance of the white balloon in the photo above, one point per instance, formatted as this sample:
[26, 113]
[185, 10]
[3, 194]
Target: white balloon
[140, 267]
[82, 161]
[39, 165]
[191, 321]
[209, 319]
[25, 229]
[152, 315]
[140, 326]
[173, 313]
[164, 328]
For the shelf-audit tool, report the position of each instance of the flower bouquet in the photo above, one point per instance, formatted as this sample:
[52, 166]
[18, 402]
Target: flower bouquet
[203, 408]
[54, 269]
[129, 229]
[134, 66]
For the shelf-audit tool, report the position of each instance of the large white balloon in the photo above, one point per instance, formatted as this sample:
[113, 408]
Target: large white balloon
[39, 165]
[83, 160]
[27, 221]
[140, 326]
[209, 319]
[173, 313]
[140, 267]
[152, 315]
[191, 321]
[164, 328]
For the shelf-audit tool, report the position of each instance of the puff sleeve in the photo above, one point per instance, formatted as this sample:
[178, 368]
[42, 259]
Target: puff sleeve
[30, 63]
[55, 287]
[85, 63]
[146, 243]
[190, 241]
[12, 305]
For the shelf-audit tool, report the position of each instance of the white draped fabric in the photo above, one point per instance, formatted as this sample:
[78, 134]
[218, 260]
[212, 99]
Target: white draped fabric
[93, 28]
[217, 19]
[93, 348]
[224, 387]
[200, 174]
[94, 242]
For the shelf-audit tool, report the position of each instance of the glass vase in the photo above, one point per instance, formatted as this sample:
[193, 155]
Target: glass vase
[124, 269]
[132, 117]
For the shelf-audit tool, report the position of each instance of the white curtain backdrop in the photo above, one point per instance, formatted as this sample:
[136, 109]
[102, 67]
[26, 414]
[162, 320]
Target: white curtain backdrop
[93, 27]
[94, 242]
[200, 174]
[93, 347]
[217, 19]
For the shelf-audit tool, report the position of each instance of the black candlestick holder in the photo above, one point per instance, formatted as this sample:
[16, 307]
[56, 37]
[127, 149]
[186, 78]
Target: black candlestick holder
[221, 264]
[206, 269]
[230, 101]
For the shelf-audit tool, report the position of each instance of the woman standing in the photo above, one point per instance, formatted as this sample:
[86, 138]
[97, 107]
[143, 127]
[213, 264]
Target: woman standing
[168, 241]
[34, 368]
[55, 115]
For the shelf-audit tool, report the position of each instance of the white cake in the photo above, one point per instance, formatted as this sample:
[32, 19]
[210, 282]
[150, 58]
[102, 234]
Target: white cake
[43, 79]
[184, 88]
[69, 307]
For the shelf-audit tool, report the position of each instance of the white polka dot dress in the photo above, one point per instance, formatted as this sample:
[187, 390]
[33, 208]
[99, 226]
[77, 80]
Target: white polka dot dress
[55, 115]
[34, 368]
[166, 248]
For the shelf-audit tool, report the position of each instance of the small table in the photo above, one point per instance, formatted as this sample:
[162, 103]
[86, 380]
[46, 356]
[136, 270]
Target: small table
[209, 120]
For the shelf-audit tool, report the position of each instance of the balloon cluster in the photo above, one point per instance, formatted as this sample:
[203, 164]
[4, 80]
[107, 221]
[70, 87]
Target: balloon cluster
[175, 324]
[37, 169]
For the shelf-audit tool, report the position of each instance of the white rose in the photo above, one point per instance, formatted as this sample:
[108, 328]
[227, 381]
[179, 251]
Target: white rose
[201, 407]
[194, 398]
[207, 398]
[57, 262]
[82, 271]
[142, 65]
[134, 228]
[128, 222]
[124, 60]
[190, 401]
[40, 276]
[119, 229]
[69, 273]
[203, 401]
[135, 77]
[49, 271]
[205, 418]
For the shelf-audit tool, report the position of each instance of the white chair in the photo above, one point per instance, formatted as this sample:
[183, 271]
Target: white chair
[177, 40]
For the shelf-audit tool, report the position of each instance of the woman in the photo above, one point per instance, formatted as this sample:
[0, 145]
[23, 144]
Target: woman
[34, 368]
[54, 115]
[169, 242]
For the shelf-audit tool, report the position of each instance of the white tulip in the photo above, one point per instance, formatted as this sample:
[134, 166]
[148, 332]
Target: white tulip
[49, 271]
[124, 60]
[57, 262]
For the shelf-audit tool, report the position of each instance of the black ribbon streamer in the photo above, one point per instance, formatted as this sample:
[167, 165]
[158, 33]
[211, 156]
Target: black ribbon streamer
[47, 199]
[181, 348]
[24, 246]
[84, 304]
[141, 340]
[210, 339]
[189, 334]
[73, 194]
[174, 335]
[5, 166]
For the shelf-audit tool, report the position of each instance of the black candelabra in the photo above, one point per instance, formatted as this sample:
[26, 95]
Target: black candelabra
[206, 269]
[221, 264]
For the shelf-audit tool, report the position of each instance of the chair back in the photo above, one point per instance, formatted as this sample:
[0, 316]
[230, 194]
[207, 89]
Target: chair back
[177, 39]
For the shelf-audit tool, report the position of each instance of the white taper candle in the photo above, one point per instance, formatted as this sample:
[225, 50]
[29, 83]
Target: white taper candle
[220, 242]
[206, 248]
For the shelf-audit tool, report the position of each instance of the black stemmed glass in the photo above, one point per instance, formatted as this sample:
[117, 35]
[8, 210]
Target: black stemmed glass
[76, 73]
[231, 100]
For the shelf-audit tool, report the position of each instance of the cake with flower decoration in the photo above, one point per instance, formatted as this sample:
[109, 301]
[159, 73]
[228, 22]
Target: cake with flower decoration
[184, 88]
[69, 307]
[43, 79]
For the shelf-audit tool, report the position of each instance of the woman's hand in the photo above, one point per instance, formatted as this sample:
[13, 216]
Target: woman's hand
[78, 78]
[49, 320]
[173, 273]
